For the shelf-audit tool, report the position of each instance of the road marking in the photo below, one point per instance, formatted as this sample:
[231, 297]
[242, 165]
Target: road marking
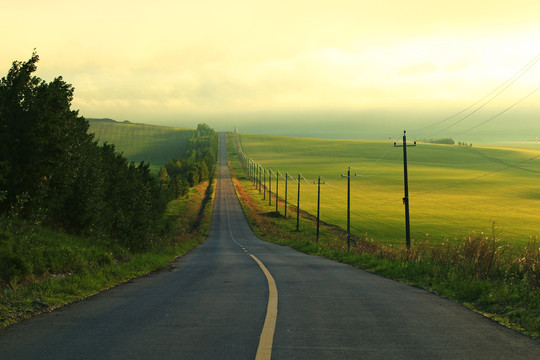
[264, 351]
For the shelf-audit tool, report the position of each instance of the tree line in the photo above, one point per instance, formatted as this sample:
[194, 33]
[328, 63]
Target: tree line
[54, 172]
[196, 166]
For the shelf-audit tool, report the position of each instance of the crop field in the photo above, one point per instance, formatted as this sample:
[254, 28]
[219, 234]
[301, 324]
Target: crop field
[139, 142]
[453, 190]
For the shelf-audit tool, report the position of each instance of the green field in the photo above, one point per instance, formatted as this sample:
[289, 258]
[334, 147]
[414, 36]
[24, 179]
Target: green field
[140, 142]
[454, 190]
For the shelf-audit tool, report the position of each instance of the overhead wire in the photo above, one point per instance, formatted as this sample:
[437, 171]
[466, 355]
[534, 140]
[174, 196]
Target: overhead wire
[505, 85]
[509, 82]
[375, 161]
[500, 113]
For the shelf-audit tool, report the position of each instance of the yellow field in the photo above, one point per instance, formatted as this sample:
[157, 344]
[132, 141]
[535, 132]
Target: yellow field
[454, 190]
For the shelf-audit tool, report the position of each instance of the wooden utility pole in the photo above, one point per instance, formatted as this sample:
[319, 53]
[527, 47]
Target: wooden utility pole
[277, 191]
[298, 207]
[286, 176]
[318, 204]
[269, 187]
[406, 187]
[348, 176]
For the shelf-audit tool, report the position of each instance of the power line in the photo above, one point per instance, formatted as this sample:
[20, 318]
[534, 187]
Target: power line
[511, 79]
[375, 161]
[502, 112]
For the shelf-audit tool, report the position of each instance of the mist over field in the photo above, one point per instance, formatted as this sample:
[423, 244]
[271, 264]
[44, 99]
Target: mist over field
[518, 125]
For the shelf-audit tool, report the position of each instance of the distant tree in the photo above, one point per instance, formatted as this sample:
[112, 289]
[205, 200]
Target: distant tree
[193, 175]
[178, 187]
[174, 167]
[445, 141]
[163, 177]
[184, 187]
[204, 173]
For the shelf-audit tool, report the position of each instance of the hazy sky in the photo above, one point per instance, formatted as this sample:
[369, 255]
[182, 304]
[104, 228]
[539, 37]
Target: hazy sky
[152, 60]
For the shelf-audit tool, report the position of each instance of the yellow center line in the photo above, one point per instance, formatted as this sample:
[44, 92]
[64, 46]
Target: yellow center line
[264, 351]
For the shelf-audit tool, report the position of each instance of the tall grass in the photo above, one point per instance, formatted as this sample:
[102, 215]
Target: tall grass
[486, 274]
[56, 269]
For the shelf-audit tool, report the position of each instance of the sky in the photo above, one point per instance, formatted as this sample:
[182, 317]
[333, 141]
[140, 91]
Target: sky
[163, 61]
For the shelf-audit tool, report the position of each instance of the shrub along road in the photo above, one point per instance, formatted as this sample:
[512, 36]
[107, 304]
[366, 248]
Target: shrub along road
[215, 300]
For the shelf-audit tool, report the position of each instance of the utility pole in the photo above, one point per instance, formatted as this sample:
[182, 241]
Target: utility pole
[348, 176]
[277, 191]
[298, 207]
[406, 186]
[259, 177]
[269, 187]
[286, 176]
[264, 183]
[318, 204]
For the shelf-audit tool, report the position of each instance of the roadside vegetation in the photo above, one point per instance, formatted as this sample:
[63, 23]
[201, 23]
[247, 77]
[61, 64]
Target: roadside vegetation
[77, 217]
[499, 280]
[60, 268]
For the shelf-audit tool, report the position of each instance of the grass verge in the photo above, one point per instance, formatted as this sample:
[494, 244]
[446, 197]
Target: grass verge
[499, 281]
[67, 268]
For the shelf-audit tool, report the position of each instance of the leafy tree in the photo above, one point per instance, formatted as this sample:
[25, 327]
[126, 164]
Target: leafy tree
[193, 176]
[204, 173]
[198, 162]
[163, 177]
[178, 187]
[47, 155]
[42, 138]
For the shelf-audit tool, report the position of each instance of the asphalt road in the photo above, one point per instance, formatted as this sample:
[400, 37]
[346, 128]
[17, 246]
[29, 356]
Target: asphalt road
[218, 302]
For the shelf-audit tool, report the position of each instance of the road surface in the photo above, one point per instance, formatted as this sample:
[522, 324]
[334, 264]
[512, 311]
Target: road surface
[237, 297]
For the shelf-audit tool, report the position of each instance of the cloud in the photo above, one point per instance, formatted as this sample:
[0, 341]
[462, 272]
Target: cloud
[209, 79]
[129, 57]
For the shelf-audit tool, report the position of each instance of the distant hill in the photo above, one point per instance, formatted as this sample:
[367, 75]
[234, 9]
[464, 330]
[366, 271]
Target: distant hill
[102, 120]
[140, 142]
[108, 120]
